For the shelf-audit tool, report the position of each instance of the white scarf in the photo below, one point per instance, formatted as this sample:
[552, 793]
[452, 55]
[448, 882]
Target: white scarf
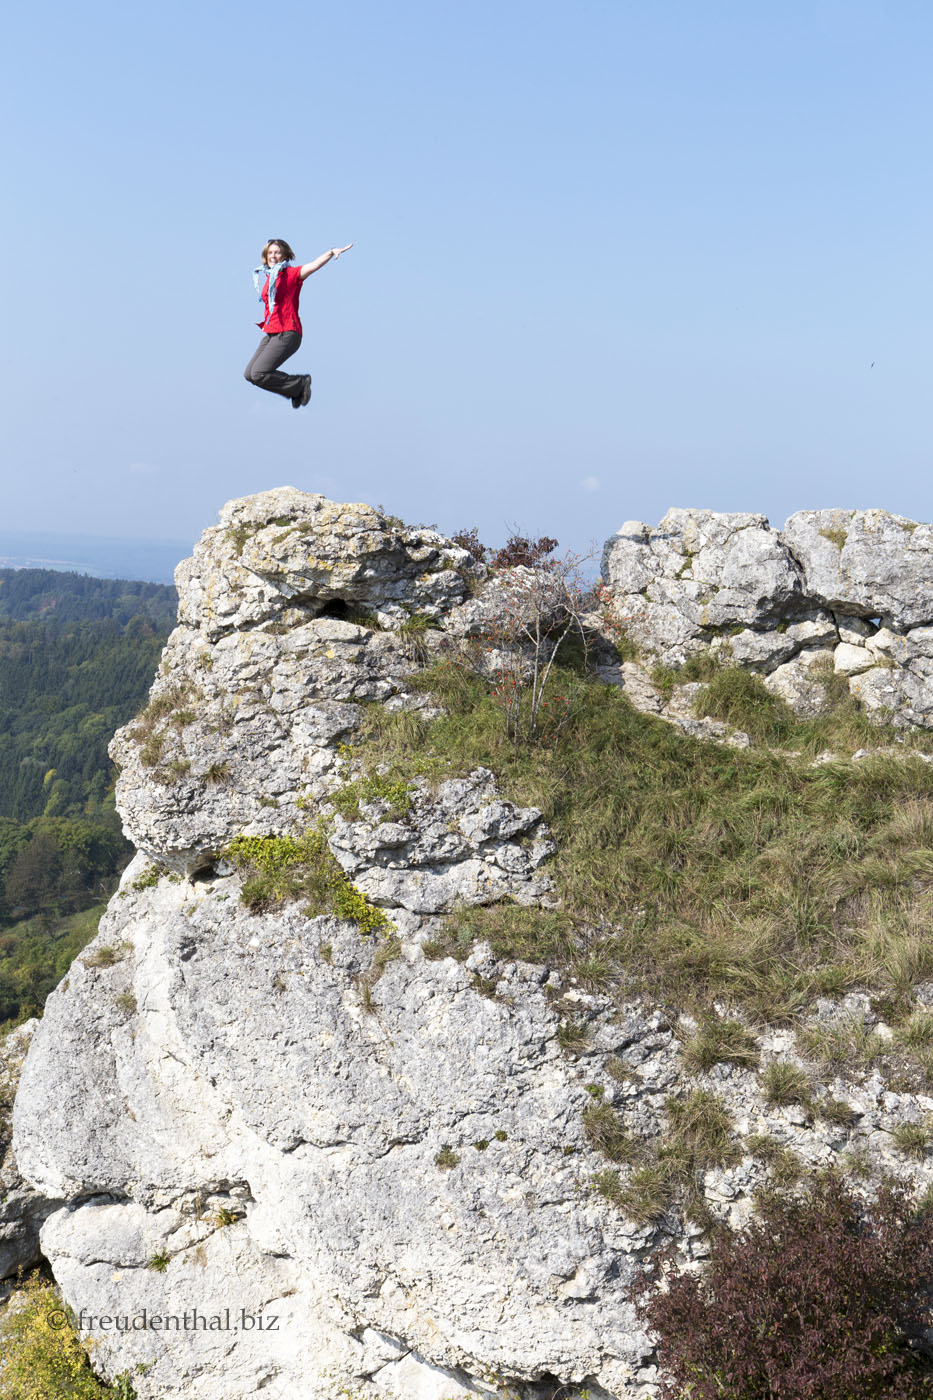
[261, 273]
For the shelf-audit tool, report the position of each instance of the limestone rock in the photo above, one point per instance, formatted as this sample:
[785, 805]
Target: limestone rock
[866, 562]
[850, 660]
[801, 682]
[279, 645]
[286, 547]
[267, 1115]
[22, 1209]
[699, 572]
[401, 1168]
[767, 650]
[456, 848]
[851, 590]
[516, 597]
[284, 1118]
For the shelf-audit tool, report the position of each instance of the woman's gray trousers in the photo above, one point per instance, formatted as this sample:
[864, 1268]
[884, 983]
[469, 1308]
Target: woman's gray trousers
[263, 369]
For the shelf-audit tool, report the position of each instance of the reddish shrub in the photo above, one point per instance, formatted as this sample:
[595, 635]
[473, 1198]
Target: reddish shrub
[471, 542]
[822, 1297]
[518, 550]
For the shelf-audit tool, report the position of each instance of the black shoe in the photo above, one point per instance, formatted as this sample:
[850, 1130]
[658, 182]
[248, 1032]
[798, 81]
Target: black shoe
[306, 392]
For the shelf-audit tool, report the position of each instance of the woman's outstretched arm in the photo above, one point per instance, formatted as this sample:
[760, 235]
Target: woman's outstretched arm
[307, 268]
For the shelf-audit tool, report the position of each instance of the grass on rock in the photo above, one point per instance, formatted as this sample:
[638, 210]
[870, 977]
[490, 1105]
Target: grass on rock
[689, 870]
[281, 868]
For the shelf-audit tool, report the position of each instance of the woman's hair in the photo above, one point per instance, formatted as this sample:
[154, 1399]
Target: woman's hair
[286, 249]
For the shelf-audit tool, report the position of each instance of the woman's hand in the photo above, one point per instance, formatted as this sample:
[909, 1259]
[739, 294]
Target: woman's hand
[327, 257]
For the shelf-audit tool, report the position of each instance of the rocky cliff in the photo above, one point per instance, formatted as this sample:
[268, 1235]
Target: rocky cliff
[327, 1161]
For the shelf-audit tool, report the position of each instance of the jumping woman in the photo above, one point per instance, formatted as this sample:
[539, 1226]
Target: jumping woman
[279, 283]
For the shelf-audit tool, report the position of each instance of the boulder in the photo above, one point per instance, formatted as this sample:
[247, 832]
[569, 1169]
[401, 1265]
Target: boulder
[697, 574]
[867, 562]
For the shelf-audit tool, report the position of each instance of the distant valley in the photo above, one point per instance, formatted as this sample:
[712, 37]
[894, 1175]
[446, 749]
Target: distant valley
[77, 656]
[151, 560]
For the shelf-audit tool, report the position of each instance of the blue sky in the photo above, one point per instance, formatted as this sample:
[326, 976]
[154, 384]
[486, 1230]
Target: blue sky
[609, 258]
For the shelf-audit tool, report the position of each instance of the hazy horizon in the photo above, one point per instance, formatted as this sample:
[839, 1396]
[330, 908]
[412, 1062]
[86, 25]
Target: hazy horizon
[101, 556]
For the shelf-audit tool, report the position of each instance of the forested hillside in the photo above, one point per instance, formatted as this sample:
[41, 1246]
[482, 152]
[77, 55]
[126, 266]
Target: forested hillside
[77, 656]
[64, 688]
[28, 595]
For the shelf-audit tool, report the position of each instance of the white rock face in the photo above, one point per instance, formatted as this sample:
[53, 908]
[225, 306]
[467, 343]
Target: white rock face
[696, 574]
[866, 562]
[288, 546]
[22, 1211]
[402, 1169]
[848, 591]
[851, 660]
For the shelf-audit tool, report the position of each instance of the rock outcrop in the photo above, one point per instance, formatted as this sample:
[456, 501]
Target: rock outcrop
[22, 1209]
[227, 1110]
[333, 1163]
[837, 593]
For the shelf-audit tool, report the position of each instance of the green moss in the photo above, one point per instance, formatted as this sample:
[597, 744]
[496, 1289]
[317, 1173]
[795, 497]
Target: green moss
[836, 537]
[376, 788]
[284, 868]
[149, 878]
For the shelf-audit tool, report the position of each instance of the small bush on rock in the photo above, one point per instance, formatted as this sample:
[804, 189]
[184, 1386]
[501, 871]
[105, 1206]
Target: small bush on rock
[821, 1298]
[541, 608]
[282, 868]
[471, 542]
[41, 1355]
[519, 551]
